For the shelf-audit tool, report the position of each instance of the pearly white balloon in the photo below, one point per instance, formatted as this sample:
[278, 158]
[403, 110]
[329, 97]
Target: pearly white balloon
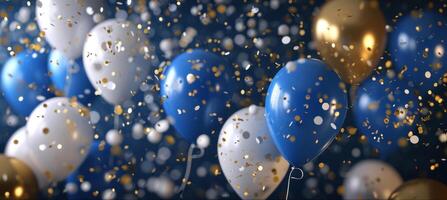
[371, 179]
[116, 59]
[66, 23]
[248, 157]
[113, 137]
[16, 146]
[58, 140]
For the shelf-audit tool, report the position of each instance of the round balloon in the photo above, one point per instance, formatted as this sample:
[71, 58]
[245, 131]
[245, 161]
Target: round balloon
[348, 44]
[306, 106]
[248, 157]
[69, 77]
[420, 189]
[371, 179]
[65, 24]
[25, 81]
[16, 146]
[386, 110]
[58, 140]
[116, 59]
[197, 89]
[18, 181]
[97, 176]
[417, 46]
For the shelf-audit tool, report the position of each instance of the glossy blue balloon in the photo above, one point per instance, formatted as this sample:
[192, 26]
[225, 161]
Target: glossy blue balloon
[200, 103]
[418, 45]
[305, 107]
[93, 171]
[385, 110]
[75, 84]
[25, 81]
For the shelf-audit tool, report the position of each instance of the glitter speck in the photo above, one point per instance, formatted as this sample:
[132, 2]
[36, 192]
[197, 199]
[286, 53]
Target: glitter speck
[318, 120]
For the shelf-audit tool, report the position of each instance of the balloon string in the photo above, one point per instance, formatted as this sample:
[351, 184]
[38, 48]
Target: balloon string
[294, 178]
[67, 82]
[116, 123]
[188, 166]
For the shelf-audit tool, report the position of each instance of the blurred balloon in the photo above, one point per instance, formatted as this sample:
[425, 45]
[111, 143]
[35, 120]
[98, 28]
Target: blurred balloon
[418, 45]
[197, 89]
[96, 176]
[116, 59]
[16, 146]
[248, 157]
[18, 181]
[386, 111]
[114, 137]
[58, 139]
[348, 44]
[69, 77]
[65, 24]
[306, 106]
[420, 189]
[25, 81]
[371, 179]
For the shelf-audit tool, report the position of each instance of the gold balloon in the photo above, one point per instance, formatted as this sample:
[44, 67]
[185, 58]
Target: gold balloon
[420, 189]
[17, 181]
[350, 36]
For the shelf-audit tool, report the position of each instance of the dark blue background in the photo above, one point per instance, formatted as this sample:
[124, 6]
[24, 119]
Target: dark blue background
[326, 177]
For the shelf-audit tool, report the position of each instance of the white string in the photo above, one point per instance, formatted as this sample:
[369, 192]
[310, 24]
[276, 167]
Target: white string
[294, 178]
[116, 123]
[68, 81]
[188, 166]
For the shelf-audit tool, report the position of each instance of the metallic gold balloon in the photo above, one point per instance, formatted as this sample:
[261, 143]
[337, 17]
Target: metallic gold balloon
[17, 180]
[420, 189]
[350, 36]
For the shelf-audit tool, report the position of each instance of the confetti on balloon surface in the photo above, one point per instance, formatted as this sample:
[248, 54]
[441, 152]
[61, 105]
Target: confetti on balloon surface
[223, 99]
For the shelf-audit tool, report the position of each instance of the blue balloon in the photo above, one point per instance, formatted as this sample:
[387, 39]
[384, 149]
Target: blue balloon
[385, 110]
[197, 89]
[25, 81]
[417, 45]
[73, 84]
[306, 106]
[100, 171]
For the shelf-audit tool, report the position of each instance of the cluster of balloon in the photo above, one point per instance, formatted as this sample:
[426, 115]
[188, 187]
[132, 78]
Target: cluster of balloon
[25, 81]
[18, 180]
[348, 44]
[98, 176]
[420, 189]
[65, 24]
[69, 77]
[371, 179]
[248, 157]
[306, 106]
[386, 111]
[197, 89]
[115, 58]
[52, 155]
[418, 45]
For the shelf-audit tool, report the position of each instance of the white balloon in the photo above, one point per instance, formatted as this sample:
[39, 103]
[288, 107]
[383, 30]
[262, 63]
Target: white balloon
[16, 146]
[162, 125]
[115, 59]
[66, 23]
[59, 139]
[203, 141]
[113, 137]
[154, 136]
[371, 179]
[248, 157]
[137, 131]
